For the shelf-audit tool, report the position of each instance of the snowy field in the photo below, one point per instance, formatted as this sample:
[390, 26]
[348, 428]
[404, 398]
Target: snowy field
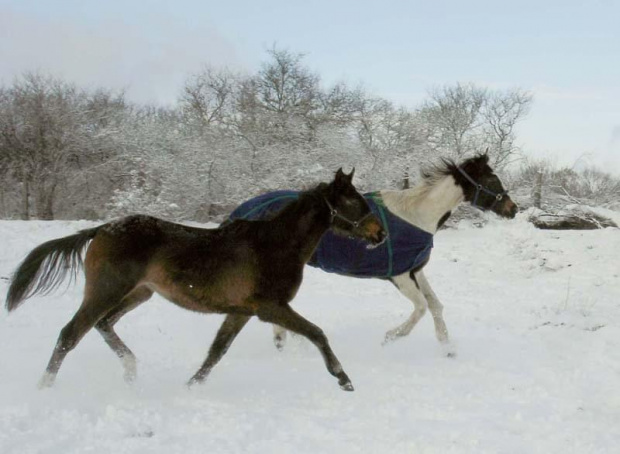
[534, 317]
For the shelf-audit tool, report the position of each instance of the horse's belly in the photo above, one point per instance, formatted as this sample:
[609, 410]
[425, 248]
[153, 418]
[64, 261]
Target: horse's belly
[219, 292]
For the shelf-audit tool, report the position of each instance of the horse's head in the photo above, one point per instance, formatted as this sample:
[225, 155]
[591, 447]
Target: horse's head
[482, 188]
[350, 213]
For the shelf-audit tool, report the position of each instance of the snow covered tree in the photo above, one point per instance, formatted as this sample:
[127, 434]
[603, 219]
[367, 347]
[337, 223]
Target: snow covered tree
[465, 119]
[453, 115]
[501, 112]
[70, 152]
[51, 132]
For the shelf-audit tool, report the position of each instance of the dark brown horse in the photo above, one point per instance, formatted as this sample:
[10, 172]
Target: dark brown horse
[243, 269]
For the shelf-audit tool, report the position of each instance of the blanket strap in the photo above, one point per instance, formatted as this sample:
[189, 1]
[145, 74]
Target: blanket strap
[267, 203]
[376, 197]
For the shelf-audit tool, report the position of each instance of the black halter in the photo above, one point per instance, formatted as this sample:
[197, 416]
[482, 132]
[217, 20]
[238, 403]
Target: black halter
[479, 188]
[334, 214]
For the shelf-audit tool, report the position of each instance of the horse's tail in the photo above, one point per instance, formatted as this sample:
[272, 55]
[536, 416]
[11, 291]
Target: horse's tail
[46, 267]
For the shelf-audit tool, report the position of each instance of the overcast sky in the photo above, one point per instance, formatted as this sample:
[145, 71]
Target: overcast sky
[567, 53]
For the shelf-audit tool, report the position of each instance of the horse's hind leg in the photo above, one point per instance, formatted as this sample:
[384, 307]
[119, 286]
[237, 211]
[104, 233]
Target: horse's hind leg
[233, 324]
[287, 318]
[85, 318]
[105, 326]
[408, 287]
[436, 309]
[103, 291]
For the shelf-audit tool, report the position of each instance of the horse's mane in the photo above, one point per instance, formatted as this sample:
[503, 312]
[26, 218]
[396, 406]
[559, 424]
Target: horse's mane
[432, 174]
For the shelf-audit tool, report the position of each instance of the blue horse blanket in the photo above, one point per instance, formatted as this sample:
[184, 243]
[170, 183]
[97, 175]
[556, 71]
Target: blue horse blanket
[406, 247]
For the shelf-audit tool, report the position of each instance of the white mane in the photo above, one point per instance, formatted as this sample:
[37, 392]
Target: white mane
[425, 204]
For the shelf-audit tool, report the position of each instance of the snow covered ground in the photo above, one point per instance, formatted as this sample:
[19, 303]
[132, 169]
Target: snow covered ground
[534, 315]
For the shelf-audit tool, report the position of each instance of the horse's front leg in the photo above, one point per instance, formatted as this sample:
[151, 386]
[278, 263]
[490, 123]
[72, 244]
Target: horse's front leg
[285, 317]
[408, 287]
[232, 325]
[436, 309]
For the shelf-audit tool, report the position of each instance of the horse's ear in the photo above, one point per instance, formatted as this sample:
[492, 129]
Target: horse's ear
[481, 159]
[351, 174]
[341, 177]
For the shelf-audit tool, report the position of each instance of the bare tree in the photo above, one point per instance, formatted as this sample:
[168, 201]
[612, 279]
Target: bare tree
[501, 112]
[73, 152]
[286, 86]
[284, 119]
[208, 97]
[391, 138]
[40, 137]
[463, 119]
[453, 117]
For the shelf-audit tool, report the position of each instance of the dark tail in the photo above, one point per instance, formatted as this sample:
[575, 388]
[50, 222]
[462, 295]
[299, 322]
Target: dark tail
[46, 267]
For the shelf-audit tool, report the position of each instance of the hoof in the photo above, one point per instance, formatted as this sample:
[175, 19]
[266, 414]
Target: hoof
[129, 364]
[390, 337]
[46, 381]
[279, 337]
[344, 382]
[130, 379]
[279, 343]
[193, 382]
[448, 350]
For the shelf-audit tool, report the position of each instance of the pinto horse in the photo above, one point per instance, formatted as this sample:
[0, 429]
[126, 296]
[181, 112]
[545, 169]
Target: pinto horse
[229, 270]
[411, 217]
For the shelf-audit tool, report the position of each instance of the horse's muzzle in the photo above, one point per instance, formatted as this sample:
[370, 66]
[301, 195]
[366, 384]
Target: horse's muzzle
[510, 209]
[374, 233]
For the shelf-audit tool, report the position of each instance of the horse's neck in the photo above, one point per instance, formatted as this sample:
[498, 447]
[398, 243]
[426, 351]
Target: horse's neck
[424, 205]
[301, 225]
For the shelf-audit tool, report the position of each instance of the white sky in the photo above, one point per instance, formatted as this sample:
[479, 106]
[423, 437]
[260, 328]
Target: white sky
[566, 52]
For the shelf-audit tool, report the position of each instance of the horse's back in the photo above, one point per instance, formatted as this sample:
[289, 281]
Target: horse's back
[138, 239]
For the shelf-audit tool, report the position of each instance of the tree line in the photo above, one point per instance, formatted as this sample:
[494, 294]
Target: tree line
[68, 152]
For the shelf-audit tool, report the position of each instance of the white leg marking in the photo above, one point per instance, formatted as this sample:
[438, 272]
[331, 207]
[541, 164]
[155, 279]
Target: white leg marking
[129, 364]
[47, 380]
[436, 309]
[279, 336]
[408, 288]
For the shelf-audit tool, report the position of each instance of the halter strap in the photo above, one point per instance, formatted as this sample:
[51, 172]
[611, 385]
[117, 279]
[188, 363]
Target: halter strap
[480, 188]
[334, 214]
